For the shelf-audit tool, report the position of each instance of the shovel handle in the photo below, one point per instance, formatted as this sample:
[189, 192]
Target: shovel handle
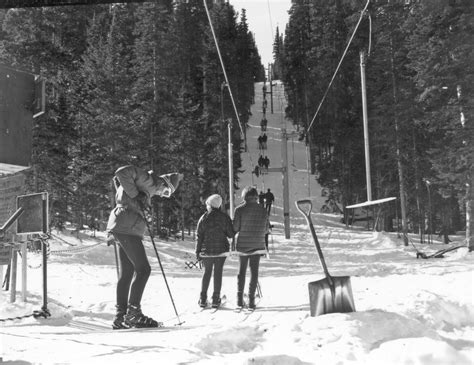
[307, 214]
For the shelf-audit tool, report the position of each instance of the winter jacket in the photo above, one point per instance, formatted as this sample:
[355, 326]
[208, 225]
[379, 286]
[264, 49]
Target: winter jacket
[127, 216]
[213, 230]
[250, 224]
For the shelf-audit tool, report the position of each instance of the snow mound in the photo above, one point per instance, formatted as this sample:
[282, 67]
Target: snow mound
[233, 340]
[444, 314]
[380, 241]
[370, 328]
[275, 360]
[420, 351]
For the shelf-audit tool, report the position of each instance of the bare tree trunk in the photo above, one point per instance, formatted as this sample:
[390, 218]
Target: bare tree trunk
[469, 216]
[399, 157]
[419, 207]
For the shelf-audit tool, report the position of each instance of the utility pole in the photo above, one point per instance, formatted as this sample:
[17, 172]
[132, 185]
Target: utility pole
[229, 154]
[366, 127]
[286, 190]
[270, 79]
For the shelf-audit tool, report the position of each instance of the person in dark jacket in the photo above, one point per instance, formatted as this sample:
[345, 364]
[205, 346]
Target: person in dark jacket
[269, 199]
[213, 230]
[134, 189]
[250, 224]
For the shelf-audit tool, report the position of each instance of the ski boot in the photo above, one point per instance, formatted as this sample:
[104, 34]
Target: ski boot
[203, 301]
[252, 305]
[118, 324]
[216, 301]
[240, 299]
[134, 318]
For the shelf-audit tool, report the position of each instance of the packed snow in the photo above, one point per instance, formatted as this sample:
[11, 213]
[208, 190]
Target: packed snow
[408, 310]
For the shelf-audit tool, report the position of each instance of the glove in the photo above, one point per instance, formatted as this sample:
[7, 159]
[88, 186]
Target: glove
[110, 239]
[172, 181]
[142, 200]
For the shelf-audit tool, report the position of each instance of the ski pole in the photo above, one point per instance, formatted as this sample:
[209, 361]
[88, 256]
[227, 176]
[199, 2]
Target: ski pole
[161, 267]
[259, 290]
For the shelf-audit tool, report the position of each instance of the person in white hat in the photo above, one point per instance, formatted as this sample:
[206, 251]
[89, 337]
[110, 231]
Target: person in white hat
[214, 228]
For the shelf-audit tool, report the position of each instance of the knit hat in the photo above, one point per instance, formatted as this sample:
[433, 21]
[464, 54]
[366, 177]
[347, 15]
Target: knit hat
[249, 193]
[214, 201]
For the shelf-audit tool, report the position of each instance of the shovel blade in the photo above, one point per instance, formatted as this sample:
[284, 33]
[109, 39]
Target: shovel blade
[324, 298]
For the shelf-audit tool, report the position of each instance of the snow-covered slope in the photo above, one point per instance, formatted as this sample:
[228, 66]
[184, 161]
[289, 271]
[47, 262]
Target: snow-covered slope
[409, 311]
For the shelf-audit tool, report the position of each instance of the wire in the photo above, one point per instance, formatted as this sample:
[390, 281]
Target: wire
[223, 67]
[270, 16]
[227, 83]
[339, 65]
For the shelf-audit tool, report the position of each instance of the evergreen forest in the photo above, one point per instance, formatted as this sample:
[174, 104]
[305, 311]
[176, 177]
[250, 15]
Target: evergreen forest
[141, 83]
[419, 66]
[136, 83]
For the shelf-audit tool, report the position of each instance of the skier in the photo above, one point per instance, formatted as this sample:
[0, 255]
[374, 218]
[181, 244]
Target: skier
[135, 187]
[260, 142]
[250, 224]
[264, 141]
[263, 124]
[269, 198]
[261, 198]
[213, 230]
[261, 161]
[266, 162]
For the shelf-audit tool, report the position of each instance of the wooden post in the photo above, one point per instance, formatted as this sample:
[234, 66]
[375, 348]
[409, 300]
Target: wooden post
[24, 268]
[13, 276]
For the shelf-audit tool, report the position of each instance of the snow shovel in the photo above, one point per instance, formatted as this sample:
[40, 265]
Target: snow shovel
[333, 294]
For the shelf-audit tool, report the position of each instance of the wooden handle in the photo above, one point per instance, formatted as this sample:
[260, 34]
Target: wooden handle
[307, 215]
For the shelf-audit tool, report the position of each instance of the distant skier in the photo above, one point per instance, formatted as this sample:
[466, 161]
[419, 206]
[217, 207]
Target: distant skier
[250, 224]
[261, 161]
[264, 141]
[213, 230]
[266, 162]
[269, 199]
[263, 124]
[261, 198]
[135, 187]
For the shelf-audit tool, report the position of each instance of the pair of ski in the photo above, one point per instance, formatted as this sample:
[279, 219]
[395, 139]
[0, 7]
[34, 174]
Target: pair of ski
[214, 309]
[244, 309]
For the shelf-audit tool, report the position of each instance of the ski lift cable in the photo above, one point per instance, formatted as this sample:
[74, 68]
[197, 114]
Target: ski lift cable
[270, 16]
[227, 81]
[339, 65]
[223, 67]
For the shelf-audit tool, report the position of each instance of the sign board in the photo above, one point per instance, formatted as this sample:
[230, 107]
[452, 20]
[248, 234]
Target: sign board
[17, 91]
[10, 187]
[5, 254]
[35, 217]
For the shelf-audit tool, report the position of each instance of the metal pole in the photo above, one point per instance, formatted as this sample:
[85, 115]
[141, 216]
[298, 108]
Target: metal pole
[286, 192]
[230, 154]
[231, 171]
[366, 127]
[44, 308]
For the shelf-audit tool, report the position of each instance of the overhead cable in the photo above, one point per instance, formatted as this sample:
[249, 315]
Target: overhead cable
[339, 65]
[223, 67]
